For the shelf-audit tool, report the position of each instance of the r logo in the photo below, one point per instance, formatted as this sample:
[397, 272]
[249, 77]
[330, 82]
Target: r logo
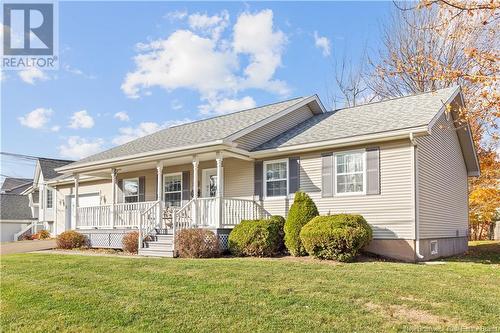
[28, 29]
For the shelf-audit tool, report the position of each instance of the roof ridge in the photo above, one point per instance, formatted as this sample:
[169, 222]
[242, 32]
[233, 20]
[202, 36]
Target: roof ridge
[395, 98]
[54, 159]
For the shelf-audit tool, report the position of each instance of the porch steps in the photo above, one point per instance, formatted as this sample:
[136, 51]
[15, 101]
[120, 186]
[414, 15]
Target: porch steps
[160, 244]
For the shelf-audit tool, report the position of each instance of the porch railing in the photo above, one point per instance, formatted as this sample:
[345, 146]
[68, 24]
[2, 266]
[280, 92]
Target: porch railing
[129, 214]
[149, 220]
[126, 215]
[94, 217]
[236, 210]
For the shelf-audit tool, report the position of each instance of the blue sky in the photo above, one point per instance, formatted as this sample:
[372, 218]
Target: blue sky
[128, 69]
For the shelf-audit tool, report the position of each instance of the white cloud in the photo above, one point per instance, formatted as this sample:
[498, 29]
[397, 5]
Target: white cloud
[122, 116]
[77, 71]
[209, 25]
[201, 60]
[322, 43]
[55, 128]
[218, 107]
[176, 105]
[176, 15]
[37, 118]
[77, 147]
[81, 119]
[145, 128]
[32, 74]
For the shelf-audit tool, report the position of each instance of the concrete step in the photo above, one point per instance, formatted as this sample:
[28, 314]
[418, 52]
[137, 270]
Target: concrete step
[156, 253]
[158, 246]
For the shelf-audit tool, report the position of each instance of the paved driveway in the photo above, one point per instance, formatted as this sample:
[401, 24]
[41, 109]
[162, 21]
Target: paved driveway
[27, 246]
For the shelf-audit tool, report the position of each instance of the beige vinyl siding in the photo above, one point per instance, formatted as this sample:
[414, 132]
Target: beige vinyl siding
[391, 213]
[442, 183]
[274, 128]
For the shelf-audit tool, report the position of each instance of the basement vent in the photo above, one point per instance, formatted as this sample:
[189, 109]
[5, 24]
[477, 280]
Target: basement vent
[434, 247]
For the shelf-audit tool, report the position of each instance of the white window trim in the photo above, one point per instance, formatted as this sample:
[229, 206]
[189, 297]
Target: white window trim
[362, 151]
[123, 190]
[264, 180]
[165, 175]
[48, 189]
[430, 247]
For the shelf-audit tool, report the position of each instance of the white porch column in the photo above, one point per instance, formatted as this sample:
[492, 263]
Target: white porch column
[159, 190]
[220, 189]
[196, 162]
[77, 179]
[114, 173]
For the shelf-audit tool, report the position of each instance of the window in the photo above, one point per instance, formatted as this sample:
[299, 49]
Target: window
[173, 189]
[434, 247]
[49, 199]
[350, 172]
[131, 190]
[276, 178]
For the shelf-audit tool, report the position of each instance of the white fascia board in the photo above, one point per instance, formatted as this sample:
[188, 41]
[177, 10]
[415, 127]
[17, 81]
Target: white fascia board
[442, 109]
[343, 142]
[137, 158]
[275, 116]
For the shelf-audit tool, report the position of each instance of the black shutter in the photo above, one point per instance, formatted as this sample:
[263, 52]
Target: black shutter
[294, 174]
[186, 188]
[119, 194]
[142, 189]
[373, 170]
[257, 185]
[327, 175]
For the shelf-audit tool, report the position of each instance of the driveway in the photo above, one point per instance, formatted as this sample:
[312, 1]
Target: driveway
[27, 246]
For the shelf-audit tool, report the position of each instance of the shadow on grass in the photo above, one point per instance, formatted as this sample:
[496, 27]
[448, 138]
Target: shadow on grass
[481, 252]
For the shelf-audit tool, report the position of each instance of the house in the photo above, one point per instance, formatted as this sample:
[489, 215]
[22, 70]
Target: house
[15, 213]
[401, 163]
[40, 195]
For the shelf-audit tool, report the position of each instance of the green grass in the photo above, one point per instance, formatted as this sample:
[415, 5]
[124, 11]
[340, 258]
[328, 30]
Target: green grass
[50, 292]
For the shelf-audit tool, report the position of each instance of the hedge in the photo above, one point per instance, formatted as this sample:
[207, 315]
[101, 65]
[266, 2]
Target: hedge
[258, 238]
[337, 237]
[302, 211]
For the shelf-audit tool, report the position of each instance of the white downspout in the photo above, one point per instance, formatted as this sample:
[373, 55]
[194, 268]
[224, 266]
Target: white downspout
[415, 194]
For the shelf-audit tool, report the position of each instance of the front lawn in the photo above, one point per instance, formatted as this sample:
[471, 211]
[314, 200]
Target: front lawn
[50, 292]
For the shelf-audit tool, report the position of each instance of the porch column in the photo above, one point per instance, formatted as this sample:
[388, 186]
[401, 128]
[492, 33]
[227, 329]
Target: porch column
[219, 191]
[114, 173]
[77, 179]
[159, 190]
[196, 162]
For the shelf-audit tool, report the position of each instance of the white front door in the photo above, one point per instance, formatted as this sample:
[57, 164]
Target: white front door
[209, 183]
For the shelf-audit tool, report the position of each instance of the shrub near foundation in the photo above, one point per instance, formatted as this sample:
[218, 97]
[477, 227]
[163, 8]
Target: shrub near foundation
[302, 211]
[71, 240]
[130, 242]
[197, 243]
[258, 238]
[336, 237]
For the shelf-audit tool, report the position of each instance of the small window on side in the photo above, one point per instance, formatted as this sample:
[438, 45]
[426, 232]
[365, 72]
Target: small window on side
[434, 247]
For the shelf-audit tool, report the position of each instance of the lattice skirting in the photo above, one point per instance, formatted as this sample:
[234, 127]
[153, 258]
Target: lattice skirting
[105, 239]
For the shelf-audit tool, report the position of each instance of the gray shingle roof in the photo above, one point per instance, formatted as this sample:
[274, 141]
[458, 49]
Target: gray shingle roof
[47, 166]
[15, 185]
[389, 115]
[14, 207]
[197, 132]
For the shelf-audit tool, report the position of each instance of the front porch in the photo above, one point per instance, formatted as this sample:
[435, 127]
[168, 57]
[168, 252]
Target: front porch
[188, 195]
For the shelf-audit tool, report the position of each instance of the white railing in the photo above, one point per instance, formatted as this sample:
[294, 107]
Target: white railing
[33, 226]
[236, 210]
[208, 212]
[149, 220]
[94, 217]
[182, 218]
[126, 215]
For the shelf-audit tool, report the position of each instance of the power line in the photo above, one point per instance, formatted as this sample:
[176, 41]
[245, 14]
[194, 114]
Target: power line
[20, 156]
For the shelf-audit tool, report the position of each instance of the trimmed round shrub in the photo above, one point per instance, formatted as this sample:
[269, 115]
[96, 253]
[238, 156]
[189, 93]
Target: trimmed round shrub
[258, 238]
[43, 234]
[302, 211]
[71, 240]
[336, 237]
[130, 242]
[197, 243]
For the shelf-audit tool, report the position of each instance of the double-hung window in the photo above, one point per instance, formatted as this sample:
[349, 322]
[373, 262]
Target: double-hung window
[350, 170]
[50, 199]
[276, 178]
[173, 189]
[131, 190]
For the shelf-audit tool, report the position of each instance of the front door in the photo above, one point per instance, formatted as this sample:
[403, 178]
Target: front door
[209, 183]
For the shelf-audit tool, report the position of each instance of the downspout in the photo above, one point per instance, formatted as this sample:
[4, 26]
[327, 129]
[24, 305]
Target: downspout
[415, 194]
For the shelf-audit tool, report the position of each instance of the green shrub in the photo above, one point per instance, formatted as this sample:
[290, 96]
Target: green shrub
[130, 242]
[258, 238]
[197, 243]
[338, 237]
[71, 240]
[302, 211]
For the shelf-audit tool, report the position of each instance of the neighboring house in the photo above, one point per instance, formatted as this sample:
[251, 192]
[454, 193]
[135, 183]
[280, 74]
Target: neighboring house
[401, 163]
[15, 213]
[42, 196]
